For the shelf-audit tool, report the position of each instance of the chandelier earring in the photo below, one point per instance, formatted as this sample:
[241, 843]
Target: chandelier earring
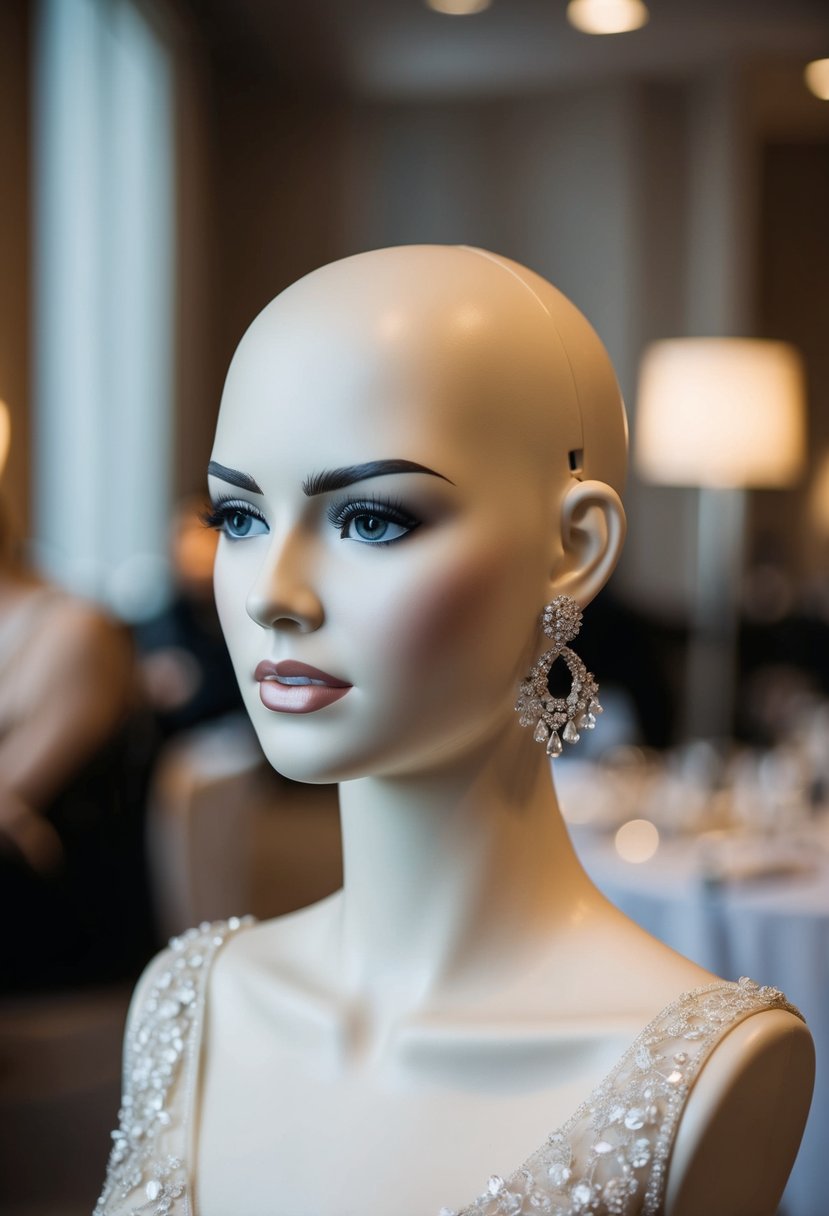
[559, 718]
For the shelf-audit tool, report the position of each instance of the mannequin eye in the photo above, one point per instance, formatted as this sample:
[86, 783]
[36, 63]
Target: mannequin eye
[237, 520]
[373, 523]
[373, 528]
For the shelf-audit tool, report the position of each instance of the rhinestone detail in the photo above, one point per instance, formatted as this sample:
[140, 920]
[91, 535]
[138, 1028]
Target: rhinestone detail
[147, 1174]
[610, 1158]
[557, 718]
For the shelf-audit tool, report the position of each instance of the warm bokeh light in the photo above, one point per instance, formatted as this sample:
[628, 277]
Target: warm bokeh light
[819, 497]
[816, 75]
[5, 434]
[458, 8]
[607, 16]
[720, 412]
[637, 840]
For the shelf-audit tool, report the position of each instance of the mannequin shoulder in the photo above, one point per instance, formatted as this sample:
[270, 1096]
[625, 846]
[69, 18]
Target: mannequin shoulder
[179, 975]
[146, 988]
[742, 1123]
[298, 944]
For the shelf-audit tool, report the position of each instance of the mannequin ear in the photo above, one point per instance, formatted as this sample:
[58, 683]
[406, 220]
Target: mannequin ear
[593, 529]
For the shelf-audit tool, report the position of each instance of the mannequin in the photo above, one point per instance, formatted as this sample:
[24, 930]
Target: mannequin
[417, 449]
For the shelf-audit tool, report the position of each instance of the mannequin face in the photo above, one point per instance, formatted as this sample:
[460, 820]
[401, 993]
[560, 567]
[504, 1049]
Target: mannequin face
[411, 589]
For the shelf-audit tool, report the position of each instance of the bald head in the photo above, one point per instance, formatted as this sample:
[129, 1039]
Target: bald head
[430, 326]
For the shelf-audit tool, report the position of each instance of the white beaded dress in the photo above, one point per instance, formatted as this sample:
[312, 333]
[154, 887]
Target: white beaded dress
[609, 1158]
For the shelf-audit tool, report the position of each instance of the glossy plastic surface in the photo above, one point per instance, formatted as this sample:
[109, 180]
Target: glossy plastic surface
[390, 1048]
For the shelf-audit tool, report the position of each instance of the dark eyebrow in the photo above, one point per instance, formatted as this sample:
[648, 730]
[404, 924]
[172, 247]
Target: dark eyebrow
[243, 480]
[336, 479]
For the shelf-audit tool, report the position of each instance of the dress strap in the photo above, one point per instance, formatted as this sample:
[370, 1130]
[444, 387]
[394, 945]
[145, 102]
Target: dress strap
[149, 1170]
[611, 1156]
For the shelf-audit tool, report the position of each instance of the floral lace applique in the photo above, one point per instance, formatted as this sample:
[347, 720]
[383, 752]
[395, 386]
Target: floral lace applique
[147, 1173]
[610, 1158]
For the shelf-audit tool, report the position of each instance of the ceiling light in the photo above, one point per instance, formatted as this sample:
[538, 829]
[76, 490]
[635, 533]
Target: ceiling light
[458, 8]
[607, 16]
[816, 75]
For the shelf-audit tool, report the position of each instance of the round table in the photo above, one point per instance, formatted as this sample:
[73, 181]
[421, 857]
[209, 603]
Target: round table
[773, 928]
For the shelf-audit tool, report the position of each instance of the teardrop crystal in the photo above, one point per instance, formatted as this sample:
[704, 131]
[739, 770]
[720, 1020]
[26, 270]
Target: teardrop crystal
[554, 745]
[541, 732]
[570, 733]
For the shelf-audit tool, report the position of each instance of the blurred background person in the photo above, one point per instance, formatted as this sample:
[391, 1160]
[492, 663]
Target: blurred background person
[72, 770]
[185, 670]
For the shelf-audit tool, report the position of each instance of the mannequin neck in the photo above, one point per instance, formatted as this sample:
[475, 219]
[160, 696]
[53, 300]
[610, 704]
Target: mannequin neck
[454, 875]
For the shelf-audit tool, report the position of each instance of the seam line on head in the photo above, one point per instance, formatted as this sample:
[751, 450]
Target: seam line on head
[498, 261]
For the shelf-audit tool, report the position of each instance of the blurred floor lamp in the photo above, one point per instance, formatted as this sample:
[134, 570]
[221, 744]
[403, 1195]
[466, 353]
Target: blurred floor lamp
[722, 415]
[818, 498]
[5, 434]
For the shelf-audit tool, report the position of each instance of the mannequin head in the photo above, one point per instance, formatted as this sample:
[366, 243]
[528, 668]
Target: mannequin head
[417, 585]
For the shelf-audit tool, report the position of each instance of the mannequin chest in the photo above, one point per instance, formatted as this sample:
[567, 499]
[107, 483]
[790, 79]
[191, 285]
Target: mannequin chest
[294, 1122]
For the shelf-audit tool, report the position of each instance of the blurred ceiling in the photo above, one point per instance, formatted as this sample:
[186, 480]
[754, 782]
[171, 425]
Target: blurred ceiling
[401, 49]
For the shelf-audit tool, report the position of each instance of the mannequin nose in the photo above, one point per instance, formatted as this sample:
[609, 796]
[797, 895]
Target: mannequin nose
[281, 596]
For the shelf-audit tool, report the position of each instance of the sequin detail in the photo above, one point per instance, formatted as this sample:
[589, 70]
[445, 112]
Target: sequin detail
[147, 1174]
[610, 1158]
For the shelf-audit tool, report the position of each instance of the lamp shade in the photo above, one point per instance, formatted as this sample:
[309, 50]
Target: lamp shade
[720, 412]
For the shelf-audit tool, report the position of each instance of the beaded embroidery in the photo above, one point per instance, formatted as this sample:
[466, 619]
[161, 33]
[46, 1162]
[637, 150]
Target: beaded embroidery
[609, 1159]
[146, 1174]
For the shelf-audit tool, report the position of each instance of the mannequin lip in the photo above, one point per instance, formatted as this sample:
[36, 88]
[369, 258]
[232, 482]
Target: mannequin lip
[289, 687]
[289, 670]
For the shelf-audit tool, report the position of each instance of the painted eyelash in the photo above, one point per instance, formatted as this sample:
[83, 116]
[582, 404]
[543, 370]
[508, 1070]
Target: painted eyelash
[216, 515]
[342, 513]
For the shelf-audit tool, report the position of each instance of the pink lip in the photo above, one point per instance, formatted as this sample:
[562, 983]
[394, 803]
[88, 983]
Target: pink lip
[297, 698]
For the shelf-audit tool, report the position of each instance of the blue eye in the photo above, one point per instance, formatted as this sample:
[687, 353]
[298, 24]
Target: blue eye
[237, 520]
[239, 524]
[372, 523]
[373, 528]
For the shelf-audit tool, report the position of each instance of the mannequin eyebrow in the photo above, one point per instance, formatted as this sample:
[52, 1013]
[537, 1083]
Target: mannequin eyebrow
[329, 479]
[243, 480]
[337, 479]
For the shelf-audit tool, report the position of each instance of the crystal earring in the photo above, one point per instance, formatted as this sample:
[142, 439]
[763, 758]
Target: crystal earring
[560, 621]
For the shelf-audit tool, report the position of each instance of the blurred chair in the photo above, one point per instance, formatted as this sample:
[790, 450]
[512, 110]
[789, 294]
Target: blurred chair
[228, 836]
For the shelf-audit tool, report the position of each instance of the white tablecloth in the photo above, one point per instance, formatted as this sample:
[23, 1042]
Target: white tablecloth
[775, 930]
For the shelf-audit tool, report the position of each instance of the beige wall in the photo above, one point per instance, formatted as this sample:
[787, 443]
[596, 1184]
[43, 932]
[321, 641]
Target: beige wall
[588, 185]
[195, 262]
[641, 200]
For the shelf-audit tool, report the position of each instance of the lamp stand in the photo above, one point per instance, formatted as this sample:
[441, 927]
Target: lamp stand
[712, 649]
